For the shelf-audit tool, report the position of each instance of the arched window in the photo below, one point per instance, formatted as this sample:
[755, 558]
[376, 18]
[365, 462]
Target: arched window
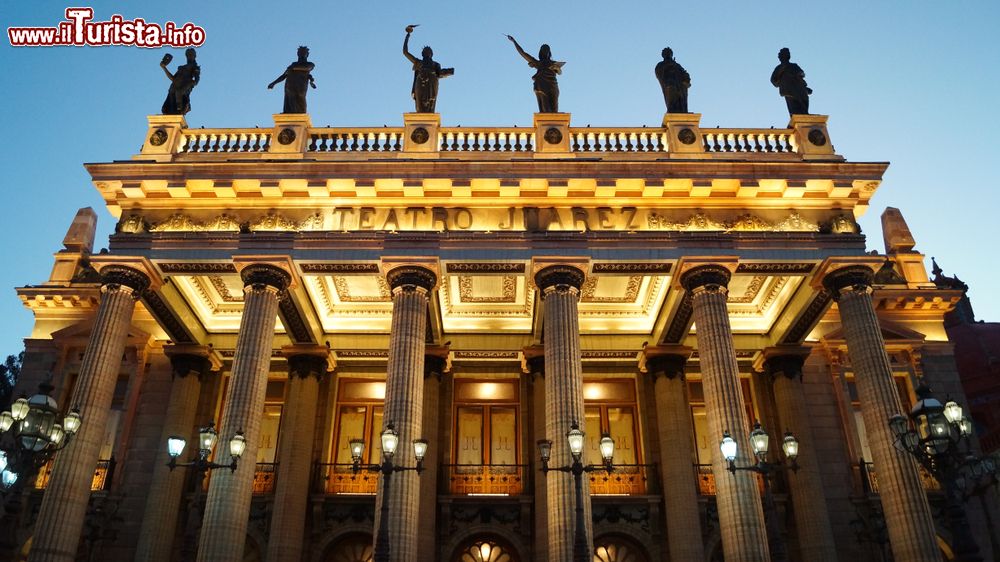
[353, 548]
[618, 549]
[485, 550]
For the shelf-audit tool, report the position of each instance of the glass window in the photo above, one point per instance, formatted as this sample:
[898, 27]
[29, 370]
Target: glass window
[610, 407]
[358, 415]
[486, 451]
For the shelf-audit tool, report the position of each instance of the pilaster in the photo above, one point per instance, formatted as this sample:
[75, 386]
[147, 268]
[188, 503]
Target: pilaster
[552, 136]
[420, 134]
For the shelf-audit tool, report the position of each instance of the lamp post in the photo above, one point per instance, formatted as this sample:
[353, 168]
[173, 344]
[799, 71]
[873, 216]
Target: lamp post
[760, 442]
[581, 550]
[938, 437]
[390, 441]
[201, 465]
[29, 437]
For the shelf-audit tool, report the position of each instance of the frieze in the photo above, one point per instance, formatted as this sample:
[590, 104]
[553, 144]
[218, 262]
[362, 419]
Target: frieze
[165, 318]
[486, 355]
[632, 267]
[363, 354]
[481, 267]
[808, 318]
[196, 268]
[682, 319]
[491, 219]
[612, 355]
[292, 320]
[344, 268]
[775, 268]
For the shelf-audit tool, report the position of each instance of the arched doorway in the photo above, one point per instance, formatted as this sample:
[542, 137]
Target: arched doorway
[352, 548]
[616, 548]
[485, 550]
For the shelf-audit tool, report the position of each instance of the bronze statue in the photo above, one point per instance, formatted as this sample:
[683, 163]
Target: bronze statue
[546, 86]
[298, 77]
[182, 81]
[674, 81]
[426, 74]
[790, 80]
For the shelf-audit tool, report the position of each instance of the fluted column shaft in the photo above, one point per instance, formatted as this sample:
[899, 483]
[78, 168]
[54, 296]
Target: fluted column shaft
[675, 432]
[404, 401]
[159, 520]
[560, 287]
[64, 506]
[904, 502]
[741, 517]
[812, 520]
[536, 371]
[227, 507]
[435, 366]
[295, 447]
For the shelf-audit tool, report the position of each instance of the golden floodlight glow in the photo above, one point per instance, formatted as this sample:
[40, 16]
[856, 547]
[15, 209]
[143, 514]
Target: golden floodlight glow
[487, 390]
[593, 391]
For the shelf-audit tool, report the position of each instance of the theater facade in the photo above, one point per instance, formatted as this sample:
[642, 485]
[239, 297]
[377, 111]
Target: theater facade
[484, 288]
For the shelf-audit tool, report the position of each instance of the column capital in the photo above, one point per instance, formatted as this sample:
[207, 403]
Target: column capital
[839, 273]
[783, 360]
[194, 360]
[558, 276]
[704, 274]
[303, 363]
[437, 361]
[403, 276]
[666, 361]
[262, 274]
[136, 273]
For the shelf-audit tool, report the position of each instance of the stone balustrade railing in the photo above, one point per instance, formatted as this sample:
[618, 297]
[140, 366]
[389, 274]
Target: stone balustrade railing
[293, 136]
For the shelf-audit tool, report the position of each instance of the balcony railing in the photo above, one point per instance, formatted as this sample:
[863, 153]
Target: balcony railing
[706, 480]
[624, 480]
[338, 478]
[486, 479]
[869, 479]
[263, 477]
[103, 474]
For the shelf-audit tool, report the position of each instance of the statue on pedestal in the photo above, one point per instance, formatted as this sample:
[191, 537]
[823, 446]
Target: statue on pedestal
[298, 78]
[674, 81]
[790, 80]
[426, 74]
[546, 69]
[182, 81]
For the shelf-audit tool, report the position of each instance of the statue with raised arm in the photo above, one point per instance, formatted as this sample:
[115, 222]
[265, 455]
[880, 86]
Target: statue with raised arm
[674, 81]
[182, 81]
[298, 78]
[790, 80]
[426, 74]
[546, 69]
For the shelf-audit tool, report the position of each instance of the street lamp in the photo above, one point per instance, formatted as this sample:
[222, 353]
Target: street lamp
[390, 442]
[581, 550]
[207, 438]
[938, 437]
[760, 443]
[29, 437]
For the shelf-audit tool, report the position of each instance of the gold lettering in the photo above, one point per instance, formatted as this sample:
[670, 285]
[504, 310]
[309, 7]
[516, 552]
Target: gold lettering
[580, 216]
[340, 213]
[510, 220]
[629, 213]
[439, 215]
[412, 211]
[604, 218]
[366, 218]
[462, 218]
[390, 217]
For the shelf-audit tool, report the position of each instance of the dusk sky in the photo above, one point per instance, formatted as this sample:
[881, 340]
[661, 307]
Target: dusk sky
[912, 83]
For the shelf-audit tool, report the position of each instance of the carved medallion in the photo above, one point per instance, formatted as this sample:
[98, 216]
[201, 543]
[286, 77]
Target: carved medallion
[686, 136]
[817, 137]
[553, 135]
[286, 136]
[158, 137]
[420, 135]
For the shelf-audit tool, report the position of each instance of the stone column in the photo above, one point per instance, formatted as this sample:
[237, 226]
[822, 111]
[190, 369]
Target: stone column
[676, 435]
[904, 502]
[64, 506]
[306, 365]
[741, 518]
[404, 400]
[159, 519]
[227, 507]
[435, 366]
[534, 358]
[812, 519]
[560, 289]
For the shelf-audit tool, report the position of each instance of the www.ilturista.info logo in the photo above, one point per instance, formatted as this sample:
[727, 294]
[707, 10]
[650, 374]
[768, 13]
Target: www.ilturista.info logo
[78, 30]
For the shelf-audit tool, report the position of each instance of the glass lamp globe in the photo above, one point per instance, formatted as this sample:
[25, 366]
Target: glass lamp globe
[790, 445]
[759, 441]
[575, 439]
[3, 461]
[357, 449]
[19, 409]
[207, 438]
[72, 421]
[56, 435]
[175, 446]
[952, 411]
[419, 449]
[728, 446]
[6, 420]
[36, 427]
[545, 449]
[237, 445]
[390, 440]
[8, 478]
[607, 447]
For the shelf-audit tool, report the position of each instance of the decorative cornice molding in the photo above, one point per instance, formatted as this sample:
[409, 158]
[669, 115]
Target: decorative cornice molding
[196, 268]
[166, 318]
[292, 320]
[808, 318]
[681, 322]
[342, 268]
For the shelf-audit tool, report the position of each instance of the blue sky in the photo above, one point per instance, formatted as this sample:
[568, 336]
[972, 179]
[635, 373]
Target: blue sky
[914, 83]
